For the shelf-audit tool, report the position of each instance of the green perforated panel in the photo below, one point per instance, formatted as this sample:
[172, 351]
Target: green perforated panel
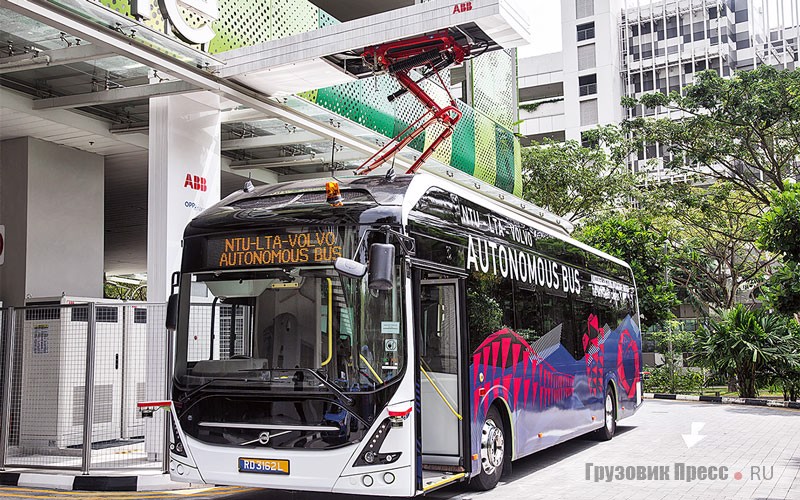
[517, 169]
[493, 86]
[444, 151]
[326, 19]
[242, 23]
[463, 141]
[504, 144]
[121, 6]
[292, 17]
[485, 149]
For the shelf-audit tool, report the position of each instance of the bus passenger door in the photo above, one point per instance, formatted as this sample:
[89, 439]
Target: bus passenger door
[441, 375]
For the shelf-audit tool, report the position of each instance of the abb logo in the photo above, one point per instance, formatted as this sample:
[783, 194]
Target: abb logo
[462, 7]
[195, 182]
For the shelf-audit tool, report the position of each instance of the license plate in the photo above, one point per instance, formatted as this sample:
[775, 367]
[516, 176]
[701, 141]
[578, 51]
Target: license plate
[264, 466]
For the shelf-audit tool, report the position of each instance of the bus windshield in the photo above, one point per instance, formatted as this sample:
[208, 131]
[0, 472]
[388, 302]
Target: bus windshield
[301, 328]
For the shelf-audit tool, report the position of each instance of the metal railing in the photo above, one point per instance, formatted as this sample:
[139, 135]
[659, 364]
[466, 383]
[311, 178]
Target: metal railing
[71, 375]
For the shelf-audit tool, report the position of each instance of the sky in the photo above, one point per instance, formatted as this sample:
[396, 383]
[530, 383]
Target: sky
[545, 27]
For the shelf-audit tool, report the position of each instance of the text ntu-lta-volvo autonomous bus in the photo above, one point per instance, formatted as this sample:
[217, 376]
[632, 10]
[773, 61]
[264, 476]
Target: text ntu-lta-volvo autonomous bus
[389, 336]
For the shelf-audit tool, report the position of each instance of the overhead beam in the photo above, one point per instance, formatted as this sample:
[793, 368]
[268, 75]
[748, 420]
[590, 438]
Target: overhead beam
[242, 115]
[295, 161]
[135, 93]
[305, 177]
[54, 57]
[267, 141]
[265, 176]
[23, 104]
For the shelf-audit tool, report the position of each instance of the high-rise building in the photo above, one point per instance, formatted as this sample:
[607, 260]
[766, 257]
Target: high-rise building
[616, 48]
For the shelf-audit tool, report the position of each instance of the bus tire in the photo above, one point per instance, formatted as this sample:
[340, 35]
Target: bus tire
[609, 428]
[493, 453]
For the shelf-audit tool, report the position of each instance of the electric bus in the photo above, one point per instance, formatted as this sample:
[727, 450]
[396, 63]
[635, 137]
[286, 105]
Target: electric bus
[389, 335]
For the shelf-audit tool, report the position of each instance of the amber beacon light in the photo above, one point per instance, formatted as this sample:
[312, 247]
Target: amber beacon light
[334, 194]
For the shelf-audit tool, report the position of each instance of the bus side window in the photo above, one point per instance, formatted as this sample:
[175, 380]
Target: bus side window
[583, 310]
[527, 312]
[490, 306]
[557, 310]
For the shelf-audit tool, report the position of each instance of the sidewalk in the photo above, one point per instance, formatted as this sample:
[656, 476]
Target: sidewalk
[727, 400]
[99, 480]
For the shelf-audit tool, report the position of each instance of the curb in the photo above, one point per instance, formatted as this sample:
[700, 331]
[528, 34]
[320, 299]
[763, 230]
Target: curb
[727, 400]
[149, 482]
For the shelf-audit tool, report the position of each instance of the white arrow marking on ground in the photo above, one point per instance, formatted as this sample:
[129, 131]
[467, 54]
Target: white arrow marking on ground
[695, 437]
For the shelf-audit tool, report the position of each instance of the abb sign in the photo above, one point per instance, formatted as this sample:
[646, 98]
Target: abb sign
[196, 182]
[462, 7]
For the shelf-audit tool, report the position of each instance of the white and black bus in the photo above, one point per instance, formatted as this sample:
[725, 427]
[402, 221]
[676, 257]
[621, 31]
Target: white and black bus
[383, 336]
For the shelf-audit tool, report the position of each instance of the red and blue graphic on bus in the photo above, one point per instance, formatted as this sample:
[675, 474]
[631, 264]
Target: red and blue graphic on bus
[549, 393]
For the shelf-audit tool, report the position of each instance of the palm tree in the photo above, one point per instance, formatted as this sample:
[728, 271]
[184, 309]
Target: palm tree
[748, 344]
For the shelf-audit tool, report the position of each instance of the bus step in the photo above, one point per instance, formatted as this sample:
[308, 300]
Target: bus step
[443, 468]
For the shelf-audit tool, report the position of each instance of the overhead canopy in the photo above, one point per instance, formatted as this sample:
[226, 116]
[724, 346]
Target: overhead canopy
[331, 55]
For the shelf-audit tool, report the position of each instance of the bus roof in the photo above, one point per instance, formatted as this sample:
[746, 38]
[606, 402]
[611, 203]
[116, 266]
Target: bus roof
[397, 192]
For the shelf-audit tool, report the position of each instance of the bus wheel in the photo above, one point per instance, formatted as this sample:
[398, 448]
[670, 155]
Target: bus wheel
[610, 412]
[493, 452]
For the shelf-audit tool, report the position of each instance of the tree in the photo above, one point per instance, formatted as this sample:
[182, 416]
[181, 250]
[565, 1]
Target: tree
[786, 372]
[672, 342]
[780, 233]
[782, 289]
[748, 344]
[574, 181]
[780, 224]
[745, 129]
[634, 239]
[714, 230]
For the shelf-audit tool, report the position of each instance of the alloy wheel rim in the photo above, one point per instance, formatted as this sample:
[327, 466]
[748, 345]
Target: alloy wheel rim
[609, 412]
[492, 447]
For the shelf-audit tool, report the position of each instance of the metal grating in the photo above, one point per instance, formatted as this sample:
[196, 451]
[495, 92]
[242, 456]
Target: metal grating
[462, 154]
[291, 17]
[444, 152]
[504, 144]
[326, 19]
[242, 23]
[103, 404]
[485, 149]
[517, 169]
[493, 86]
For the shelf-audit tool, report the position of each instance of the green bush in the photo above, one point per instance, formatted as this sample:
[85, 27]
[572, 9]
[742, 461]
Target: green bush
[685, 381]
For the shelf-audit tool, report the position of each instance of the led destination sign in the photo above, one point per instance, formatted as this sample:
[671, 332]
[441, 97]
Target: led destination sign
[314, 247]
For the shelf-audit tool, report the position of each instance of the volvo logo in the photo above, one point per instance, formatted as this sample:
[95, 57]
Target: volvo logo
[207, 10]
[263, 438]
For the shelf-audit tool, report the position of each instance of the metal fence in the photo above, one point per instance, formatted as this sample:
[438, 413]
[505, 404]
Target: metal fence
[64, 365]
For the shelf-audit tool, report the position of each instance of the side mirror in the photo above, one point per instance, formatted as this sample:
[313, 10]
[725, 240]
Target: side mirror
[381, 266]
[172, 313]
[350, 268]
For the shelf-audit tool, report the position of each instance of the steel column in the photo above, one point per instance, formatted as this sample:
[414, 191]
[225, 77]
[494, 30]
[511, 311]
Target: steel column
[5, 412]
[88, 399]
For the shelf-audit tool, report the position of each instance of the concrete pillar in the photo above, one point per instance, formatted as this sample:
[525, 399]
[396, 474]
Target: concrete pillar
[51, 202]
[183, 180]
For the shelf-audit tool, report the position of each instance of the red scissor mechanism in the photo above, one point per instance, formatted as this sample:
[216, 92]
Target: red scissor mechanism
[432, 53]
